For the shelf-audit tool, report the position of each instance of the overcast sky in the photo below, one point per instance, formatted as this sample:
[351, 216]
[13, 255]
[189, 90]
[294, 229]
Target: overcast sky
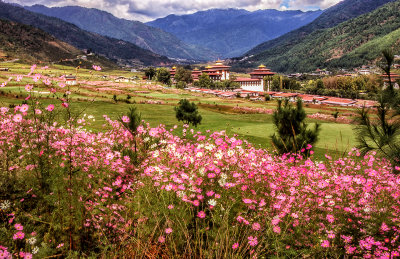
[147, 10]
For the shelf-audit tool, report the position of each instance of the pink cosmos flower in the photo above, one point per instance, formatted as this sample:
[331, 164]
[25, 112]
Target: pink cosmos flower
[36, 78]
[125, 119]
[60, 245]
[61, 85]
[201, 214]
[325, 243]
[50, 107]
[97, 68]
[168, 230]
[235, 246]
[252, 241]
[24, 108]
[247, 201]
[17, 118]
[161, 239]
[18, 226]
[37, 111]
[170, 206]
[330, 218]
[277, 229]
[19, 235]
[256, 226]
[28, 88]
[65, 105]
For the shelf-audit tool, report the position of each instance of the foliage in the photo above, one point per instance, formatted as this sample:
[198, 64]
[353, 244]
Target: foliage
[349, 44]
[183, 75]
[180, 85]
[382, 135]
[292, 133]
[68, 192]
[188, 113]
[150, 72]
[204, 82]
[163, 75]
[112, 48]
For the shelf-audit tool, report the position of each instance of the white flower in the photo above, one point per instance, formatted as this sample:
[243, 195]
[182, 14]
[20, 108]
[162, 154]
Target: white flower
[212, 202]
[32, 240]
[147, 139]
[35, 250]
[5, 205]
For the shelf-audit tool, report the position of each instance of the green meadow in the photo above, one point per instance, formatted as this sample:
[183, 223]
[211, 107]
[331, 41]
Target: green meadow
[217, 113]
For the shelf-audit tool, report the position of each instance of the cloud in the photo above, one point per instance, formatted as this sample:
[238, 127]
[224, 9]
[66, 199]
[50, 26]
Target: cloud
[305, 4]
[145, 10]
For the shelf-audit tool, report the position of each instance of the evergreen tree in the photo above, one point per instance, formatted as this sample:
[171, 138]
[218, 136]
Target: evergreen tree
[131, 121]
[381, 134]
[188, 113]
[292, 134]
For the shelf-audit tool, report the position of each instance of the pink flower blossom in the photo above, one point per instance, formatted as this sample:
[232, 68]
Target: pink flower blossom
[19, 235]
[50, 107]
[201, 214]
[325, 243]
[125, 119]
[256, 226]
[18, 226]
[252, 241]
[28, 88]
[235, 246]
[17, 118]
[168, 230]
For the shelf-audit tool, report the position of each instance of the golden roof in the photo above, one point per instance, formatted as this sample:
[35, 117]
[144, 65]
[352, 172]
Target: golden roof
[174, 67]
[261, 66]
[208, 67]
[218, 62]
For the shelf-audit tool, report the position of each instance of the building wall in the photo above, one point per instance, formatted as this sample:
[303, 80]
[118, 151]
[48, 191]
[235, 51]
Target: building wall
[253, 86]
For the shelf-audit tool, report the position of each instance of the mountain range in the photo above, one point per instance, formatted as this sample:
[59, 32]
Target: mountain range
[32, 44]
[120, 51]
[341, 29]
[138, 33]
[232, 32]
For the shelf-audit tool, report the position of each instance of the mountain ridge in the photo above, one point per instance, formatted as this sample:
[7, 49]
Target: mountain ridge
[356, 42]
[331, 17]
[231, 32]
[117, 50]
[138, 33]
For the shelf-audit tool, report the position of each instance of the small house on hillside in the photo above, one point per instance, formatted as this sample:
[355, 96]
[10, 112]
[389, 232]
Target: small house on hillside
[4, 69]
[121, 79]
[339, 101]
[70, 80]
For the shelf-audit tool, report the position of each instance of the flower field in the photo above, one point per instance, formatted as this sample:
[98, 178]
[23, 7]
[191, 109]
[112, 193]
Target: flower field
[69, 192]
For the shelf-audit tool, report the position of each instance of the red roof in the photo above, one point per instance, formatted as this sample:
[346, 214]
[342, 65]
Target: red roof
[220, 66]
[339, 101]
[366, 103]
[245, 79]
[262, 73]
[285, 95]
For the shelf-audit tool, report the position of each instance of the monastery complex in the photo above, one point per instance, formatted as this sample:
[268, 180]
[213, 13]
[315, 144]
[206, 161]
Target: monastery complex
[220, 72]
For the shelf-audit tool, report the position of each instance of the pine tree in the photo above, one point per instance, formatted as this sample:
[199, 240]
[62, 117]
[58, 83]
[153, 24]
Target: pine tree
[188, 113]
[381, 134]
[292, 134]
